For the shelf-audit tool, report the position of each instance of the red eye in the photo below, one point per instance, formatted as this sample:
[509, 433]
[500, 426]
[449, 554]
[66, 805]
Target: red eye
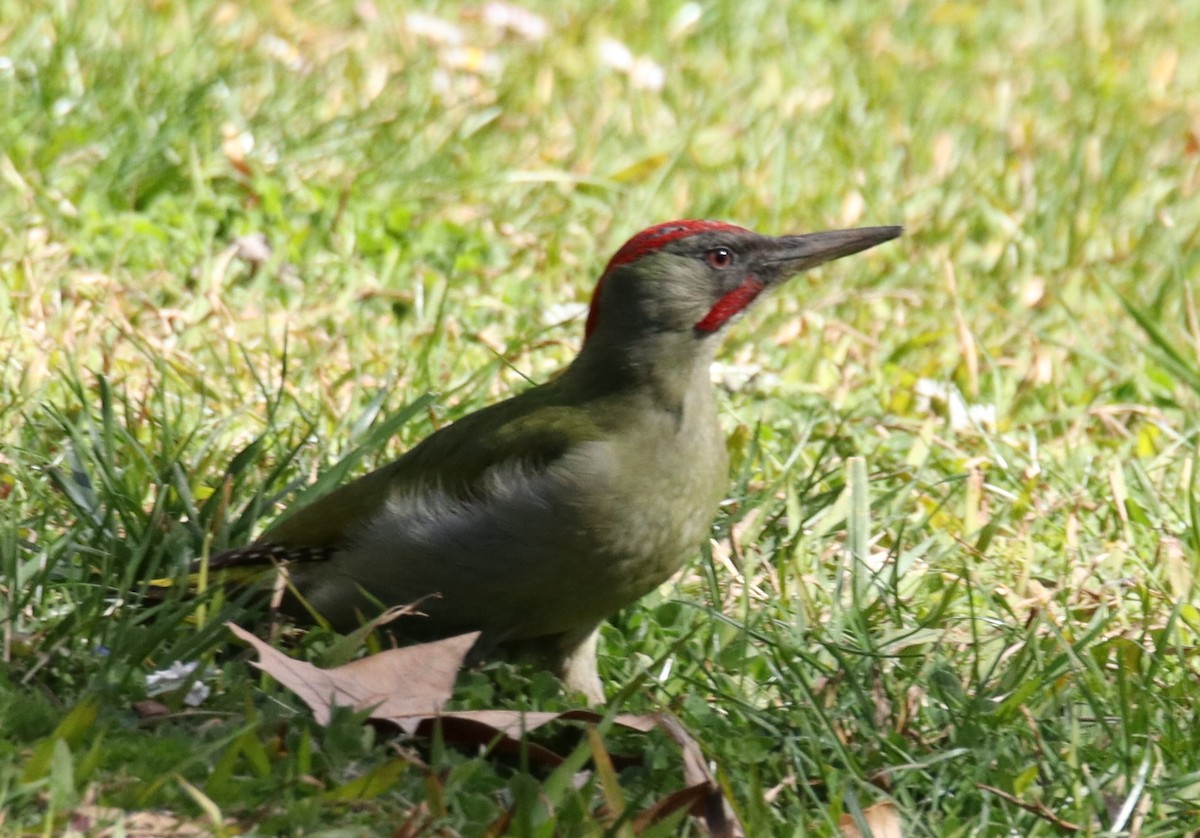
[719, 258]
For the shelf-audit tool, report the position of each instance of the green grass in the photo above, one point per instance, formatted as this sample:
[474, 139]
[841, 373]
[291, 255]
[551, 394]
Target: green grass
[972, 605]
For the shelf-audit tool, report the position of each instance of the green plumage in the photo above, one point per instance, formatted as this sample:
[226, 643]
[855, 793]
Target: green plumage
[533, 519]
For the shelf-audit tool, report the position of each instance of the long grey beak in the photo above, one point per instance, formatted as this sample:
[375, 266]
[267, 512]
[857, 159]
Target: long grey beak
[790, 255]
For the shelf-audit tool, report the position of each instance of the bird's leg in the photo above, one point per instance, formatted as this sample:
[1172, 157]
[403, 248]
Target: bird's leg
[577, 664]
[570, 655]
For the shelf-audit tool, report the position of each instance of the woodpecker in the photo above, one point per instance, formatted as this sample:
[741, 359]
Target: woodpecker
[534, 519]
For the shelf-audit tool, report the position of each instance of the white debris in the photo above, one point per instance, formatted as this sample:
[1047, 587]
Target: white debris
[517, 20]
[931, 393]
[173, 678]
[433, 28]
[643, 72]
[559, 313]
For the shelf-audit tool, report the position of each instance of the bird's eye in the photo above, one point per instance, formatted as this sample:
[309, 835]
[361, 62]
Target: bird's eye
[719, 257]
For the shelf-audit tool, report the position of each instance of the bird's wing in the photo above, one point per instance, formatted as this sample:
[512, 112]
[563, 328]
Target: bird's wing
[523, 435]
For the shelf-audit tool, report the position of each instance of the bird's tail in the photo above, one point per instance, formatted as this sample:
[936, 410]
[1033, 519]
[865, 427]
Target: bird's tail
[256, 576]
[246, 572]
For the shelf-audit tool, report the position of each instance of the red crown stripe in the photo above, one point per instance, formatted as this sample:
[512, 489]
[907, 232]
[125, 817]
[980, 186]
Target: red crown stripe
[660, 235]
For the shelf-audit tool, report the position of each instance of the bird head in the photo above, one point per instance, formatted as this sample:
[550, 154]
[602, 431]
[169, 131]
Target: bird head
[690, 278]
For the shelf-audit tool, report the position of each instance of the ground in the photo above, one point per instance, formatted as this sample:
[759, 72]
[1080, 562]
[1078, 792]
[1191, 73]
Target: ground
[243, 245]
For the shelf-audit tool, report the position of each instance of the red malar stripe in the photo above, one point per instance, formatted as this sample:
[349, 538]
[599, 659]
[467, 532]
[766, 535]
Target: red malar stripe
[731, 304]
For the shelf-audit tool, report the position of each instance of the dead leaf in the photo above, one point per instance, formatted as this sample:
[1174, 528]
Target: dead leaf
[1191, 143]
[686, 798]
[105, 821]
[416, 824]
[1162, 72]
[882, 819]
[400, 685]
[499, 827]
[712, 808]
[463, 731]
[408, 688]
[788, 782]
[913, 699]
[1176, 565]
[883, 704]
[517, 723]
[150, 709]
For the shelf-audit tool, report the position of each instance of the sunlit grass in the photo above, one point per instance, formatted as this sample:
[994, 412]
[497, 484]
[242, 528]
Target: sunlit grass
[238, 243]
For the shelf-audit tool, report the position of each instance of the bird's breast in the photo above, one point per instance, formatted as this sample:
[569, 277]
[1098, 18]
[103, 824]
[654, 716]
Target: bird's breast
[655, 505]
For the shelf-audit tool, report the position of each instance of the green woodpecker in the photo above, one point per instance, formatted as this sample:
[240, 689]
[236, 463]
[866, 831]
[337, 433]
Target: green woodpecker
[534, 519]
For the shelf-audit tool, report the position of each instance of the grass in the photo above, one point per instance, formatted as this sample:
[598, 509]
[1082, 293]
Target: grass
[957, 568]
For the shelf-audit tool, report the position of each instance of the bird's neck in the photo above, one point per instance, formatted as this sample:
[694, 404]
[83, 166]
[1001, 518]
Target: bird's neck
[670, 370]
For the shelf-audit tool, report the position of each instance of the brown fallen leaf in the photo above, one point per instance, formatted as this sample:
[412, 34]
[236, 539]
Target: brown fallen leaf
[712, 808]
[464, 731]
[150, 709]
[686, 798]
[416, 824]
[516, 723]
[882, 818]
[408, 687]
[107, 822]
[499, 827]
[401, 685]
